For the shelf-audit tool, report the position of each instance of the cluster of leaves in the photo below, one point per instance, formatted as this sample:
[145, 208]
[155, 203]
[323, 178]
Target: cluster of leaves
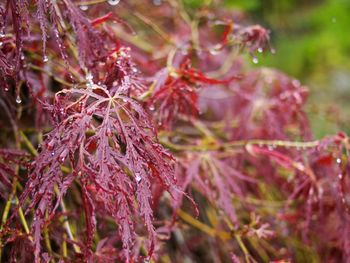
[136, 122]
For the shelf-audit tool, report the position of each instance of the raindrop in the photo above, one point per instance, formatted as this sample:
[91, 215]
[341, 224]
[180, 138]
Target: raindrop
[53, 153]
[51, 144]
[138, 177]
[18, 99]
[63, 155]
[6, 89]
[89, 80]
[260, 50]
[338, 161]
[113, 2]
[45, 59]
[89, 77]
[134, 70]
[214, 51]
[255, 60]
[151, 107]
[340, 176]
[84, 7]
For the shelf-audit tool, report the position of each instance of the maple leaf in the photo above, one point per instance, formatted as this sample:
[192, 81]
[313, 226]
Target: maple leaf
[109, 143]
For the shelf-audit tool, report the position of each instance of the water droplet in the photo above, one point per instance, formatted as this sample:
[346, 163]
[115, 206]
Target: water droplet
[89, 77]
[151, 107]
[134, 70]
[260, 50]
[18, 99]
[157, 2]
[6, 89]
[84, 7]
[255, 60]
[113, 2]
[63, 155]
[1, 44]
[53, 153]
[338, 161]
[125, 100]
[138, 178]
[2, 34]
[340, 176]
[89, 80]
[45, 59]
[214, 51]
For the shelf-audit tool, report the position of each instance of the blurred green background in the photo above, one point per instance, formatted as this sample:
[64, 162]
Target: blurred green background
[312, 42]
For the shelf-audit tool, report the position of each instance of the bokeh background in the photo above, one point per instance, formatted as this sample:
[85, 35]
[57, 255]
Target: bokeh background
[312, 43]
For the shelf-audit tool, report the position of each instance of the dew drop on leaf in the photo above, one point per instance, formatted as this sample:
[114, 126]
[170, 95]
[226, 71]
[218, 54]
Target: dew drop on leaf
[89, 77]
[18, 99]
[138, 177]
[255, 60]
[214, 51]
[260, 50]
[113, 2]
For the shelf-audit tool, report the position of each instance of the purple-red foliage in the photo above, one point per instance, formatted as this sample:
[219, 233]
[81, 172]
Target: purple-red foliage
[140, 117]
